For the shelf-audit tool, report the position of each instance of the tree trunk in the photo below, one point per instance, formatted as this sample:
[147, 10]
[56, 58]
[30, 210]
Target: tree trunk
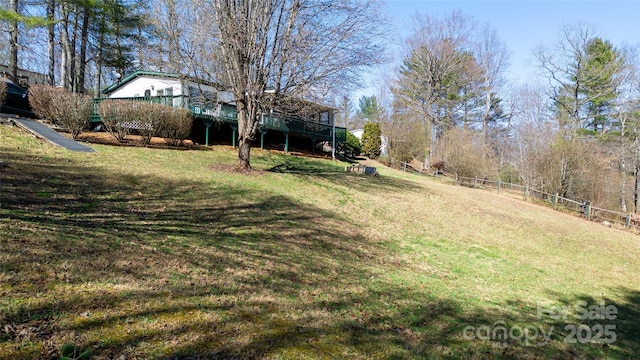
[73, 54]
[98, 76]
[485, 117]
[51, 45]
[244, 154]
[13, 44]
[636, 188]
[247, 128]
[65, 59]
[564, 178]
[623, 184]
[82, 59]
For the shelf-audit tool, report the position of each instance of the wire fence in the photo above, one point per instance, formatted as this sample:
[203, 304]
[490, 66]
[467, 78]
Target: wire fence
[581, 208]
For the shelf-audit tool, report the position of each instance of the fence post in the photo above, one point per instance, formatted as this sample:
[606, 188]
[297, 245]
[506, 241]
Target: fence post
[455, 180]
[526, 191]
[627, 221]
[499, 183]
[404, 166]
[587, 210]
[475, 182]
[554, 200]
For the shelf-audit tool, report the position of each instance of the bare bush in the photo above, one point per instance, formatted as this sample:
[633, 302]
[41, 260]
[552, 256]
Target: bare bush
[120, 117]
[114, 115]
[75, 111]
[176, 126]
[70, 111]
[465, 154]
[578, 169]
[149, 119]
[41, 101]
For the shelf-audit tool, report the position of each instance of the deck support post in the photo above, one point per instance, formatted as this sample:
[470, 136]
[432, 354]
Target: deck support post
[207, 124]
[313, 144]
[286, 141]
[262, 133]
[234, 129]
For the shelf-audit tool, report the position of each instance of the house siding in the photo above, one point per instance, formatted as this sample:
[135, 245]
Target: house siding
[138, 86]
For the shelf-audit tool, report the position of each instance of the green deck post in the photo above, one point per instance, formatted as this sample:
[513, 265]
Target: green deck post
[233, 136]
[207, 124]
[286, 142]
[313, 144]
[262, 133]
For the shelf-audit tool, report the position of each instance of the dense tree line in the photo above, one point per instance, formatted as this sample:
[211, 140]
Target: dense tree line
[78, 44]
[573, 133]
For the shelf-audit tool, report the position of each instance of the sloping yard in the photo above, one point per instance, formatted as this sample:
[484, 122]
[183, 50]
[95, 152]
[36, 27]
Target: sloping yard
[137, 253]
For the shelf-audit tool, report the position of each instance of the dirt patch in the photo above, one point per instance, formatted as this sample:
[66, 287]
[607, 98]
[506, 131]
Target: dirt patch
[105, 138]
[235, 170]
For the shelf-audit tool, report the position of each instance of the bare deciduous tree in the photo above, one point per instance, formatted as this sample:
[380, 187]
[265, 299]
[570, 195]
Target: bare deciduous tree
[300, 48]
[451, 68]
[492, 57]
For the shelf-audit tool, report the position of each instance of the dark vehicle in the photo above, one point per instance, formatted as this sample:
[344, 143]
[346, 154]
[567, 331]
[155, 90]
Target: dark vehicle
[17, 101]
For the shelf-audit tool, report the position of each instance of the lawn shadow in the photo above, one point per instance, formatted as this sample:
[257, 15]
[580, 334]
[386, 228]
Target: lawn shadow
[152, 268]
[319, 171]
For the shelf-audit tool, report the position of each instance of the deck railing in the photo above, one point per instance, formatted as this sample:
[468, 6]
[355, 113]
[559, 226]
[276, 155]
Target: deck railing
[209, 111]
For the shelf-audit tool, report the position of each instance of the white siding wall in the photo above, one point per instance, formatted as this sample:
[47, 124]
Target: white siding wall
[137, 87]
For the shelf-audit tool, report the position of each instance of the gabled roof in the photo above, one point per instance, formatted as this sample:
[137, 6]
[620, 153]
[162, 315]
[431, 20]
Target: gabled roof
[113, 87]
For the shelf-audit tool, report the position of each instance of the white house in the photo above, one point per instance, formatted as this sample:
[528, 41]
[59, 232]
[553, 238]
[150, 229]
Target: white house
[296, 118]
[383, 140]
[149, 84]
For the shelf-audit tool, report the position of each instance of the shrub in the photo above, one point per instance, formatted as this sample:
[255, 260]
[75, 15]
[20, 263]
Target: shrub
[120, 117]
[70, 111]
[176, 126]
[41, 101]
[114, 114]
[464, 153]
[371, 141]
[353, 147]
[75, 111]
[150, 119]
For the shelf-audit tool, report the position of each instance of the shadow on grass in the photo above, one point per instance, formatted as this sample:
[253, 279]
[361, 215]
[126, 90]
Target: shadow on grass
[147, 268]
[318, 171]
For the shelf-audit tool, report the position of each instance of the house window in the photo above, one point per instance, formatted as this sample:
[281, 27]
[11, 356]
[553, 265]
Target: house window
[168, 91]
[324, 118]
[160, 93]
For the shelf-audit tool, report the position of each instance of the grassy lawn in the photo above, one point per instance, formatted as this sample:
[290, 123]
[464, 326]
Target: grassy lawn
[136, 253]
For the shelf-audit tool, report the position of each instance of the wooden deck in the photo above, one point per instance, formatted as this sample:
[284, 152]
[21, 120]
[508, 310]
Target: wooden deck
[211, 114]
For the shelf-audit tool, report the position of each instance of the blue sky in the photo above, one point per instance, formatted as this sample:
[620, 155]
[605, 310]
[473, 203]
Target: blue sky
[523, 25]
